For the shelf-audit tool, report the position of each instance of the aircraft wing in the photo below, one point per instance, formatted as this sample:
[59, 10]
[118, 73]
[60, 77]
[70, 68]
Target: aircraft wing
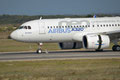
[112, 34]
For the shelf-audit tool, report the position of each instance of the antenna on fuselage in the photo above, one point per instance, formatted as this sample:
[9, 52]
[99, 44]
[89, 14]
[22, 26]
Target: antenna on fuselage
[41, 18]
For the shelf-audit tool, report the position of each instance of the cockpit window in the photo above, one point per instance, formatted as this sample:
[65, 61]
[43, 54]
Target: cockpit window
[24, 27]
[29, 27]
[21, 27]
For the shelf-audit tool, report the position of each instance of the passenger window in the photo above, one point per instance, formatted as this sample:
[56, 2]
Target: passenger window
[29, 27]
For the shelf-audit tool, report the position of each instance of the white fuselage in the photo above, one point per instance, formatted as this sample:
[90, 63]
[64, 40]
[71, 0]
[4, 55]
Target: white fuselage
[65, 30]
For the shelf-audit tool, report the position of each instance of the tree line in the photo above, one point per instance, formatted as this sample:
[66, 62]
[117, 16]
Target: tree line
[19, 19]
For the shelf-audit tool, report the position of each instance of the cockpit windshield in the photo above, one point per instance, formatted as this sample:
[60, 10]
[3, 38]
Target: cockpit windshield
[24, 27]
[21, 27]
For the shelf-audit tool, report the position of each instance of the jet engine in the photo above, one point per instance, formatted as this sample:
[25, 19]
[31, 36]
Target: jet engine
[96, 41]
[70, 45]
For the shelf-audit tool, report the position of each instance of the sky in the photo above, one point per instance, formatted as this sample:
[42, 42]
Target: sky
[59, 7]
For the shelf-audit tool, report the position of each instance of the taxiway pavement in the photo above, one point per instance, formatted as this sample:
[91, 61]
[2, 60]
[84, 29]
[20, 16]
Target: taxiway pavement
[53, 55]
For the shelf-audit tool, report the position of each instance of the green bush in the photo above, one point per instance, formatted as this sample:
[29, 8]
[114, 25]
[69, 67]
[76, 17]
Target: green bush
[19, 19]
[2, 29]
[10, 28]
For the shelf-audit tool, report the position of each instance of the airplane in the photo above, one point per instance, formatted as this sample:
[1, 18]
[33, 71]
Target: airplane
[71, 33]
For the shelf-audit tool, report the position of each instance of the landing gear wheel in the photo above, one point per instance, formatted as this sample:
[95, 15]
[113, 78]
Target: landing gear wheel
[116, 48]
[39, 51]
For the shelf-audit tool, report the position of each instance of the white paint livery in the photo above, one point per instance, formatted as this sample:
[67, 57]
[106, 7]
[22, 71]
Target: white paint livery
[71, 30]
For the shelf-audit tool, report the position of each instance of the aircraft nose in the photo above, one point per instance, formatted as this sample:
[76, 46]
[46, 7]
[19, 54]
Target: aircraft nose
[14, 35]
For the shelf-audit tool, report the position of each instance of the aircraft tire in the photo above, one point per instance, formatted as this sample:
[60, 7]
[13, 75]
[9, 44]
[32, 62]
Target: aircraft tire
[39, 51]
[116, 48]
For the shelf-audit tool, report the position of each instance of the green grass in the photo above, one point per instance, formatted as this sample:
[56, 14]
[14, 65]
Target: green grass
[8, 45]
[4, 35]
[84, 69]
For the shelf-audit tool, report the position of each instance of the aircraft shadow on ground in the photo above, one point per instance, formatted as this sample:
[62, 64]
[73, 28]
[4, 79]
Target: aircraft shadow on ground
[56, 52]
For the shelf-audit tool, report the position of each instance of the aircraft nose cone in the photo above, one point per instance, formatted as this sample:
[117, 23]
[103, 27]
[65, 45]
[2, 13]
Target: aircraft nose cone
[14, 35]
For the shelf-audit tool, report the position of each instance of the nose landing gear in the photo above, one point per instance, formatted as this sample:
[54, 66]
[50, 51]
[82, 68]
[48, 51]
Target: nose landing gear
[39, 50]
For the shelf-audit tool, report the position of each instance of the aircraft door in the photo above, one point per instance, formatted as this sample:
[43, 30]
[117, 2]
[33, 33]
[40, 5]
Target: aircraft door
[41, 27]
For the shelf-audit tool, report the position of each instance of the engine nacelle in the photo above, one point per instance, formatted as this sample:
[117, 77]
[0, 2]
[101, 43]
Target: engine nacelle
[96, 41]
[70, 45]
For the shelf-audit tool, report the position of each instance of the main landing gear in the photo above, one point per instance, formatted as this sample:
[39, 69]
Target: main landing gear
[116, 48]
[39, 50]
